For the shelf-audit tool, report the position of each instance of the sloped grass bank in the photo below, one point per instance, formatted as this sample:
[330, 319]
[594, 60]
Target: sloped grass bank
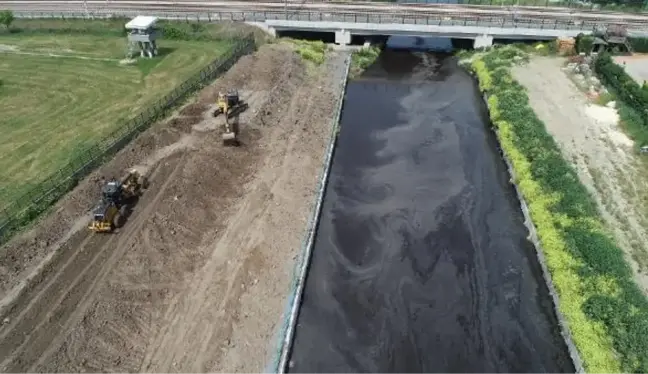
[605, 310]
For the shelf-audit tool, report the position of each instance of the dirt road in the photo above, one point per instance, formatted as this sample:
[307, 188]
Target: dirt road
[196, 280]
[590, 137]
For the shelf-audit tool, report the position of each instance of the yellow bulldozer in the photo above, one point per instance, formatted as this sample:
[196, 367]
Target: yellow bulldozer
[229, 103]
[117, 198]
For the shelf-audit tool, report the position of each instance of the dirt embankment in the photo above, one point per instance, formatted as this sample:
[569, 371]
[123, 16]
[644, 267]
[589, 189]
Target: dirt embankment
[589, 136]
[197, 279]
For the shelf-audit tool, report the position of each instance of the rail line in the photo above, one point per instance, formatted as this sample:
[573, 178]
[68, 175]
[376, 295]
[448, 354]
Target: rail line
[347, 7]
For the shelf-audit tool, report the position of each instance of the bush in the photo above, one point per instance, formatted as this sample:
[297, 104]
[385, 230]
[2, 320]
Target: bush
[632, 97]
[584, 43]
[639, 44]
[363, 58]
[606, 312]
[6, 18]
[313, 51]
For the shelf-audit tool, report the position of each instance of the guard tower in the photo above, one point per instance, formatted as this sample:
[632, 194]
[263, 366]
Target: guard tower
[142, 35]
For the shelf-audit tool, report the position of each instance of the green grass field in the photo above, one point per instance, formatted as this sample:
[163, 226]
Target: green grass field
[61, 93]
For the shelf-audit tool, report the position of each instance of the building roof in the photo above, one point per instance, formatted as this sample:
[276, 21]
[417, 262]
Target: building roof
[141, 22]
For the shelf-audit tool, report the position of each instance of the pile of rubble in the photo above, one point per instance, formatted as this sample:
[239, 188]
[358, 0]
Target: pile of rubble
[580, 69]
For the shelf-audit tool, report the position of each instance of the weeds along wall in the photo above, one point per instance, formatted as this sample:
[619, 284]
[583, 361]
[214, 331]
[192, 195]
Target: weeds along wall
[606, 312]
[36, 200]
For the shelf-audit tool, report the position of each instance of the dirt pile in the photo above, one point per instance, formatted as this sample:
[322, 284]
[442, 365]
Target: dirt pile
[196, 279]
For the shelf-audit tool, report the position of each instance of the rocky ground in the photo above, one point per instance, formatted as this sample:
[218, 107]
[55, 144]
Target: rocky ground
[590, 136]
[196, 280]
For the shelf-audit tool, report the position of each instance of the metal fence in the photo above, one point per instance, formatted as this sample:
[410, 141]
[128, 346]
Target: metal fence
[410, 18]
[39, 198]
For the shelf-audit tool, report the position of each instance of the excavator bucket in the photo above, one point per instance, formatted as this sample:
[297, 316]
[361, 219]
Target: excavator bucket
[229, 138]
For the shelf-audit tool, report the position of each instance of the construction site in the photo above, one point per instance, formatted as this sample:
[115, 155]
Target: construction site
[185, 263]
[296, 206]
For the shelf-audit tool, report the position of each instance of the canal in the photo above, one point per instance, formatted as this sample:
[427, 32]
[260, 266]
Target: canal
[421, 262]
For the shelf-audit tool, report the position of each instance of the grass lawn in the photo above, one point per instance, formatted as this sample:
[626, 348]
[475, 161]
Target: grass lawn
[61, 93]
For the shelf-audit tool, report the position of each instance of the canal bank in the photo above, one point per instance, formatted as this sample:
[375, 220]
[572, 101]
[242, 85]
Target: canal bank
[421, 261]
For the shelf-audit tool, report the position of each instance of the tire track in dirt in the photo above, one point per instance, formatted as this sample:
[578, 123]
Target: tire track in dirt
[123, 239]
[196, 280]
[236, 228]
[58, 302]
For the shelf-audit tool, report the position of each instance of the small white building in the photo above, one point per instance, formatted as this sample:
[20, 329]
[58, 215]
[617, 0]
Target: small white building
[142, 35]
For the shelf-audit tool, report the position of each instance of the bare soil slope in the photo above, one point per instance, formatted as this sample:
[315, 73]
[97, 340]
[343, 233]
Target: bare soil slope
[196, 280]
[590, 137]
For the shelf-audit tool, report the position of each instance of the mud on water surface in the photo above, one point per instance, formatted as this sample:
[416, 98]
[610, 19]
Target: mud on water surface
[196, 279]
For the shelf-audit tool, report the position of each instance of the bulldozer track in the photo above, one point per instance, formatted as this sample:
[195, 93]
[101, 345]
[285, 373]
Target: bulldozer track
[72, 297]
[195, 279]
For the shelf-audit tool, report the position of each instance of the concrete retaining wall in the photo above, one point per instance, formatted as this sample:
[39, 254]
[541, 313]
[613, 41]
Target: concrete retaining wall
[533, 238]
[280, 361]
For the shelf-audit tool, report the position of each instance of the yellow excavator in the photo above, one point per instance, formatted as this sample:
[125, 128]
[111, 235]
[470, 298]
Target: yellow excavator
[117, 198]
[229, 103]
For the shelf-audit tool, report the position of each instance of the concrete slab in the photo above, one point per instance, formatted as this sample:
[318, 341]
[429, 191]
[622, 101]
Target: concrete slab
[636, 66]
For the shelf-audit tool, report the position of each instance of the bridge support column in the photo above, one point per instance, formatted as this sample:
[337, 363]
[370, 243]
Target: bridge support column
[483, 41]
[272, 31]
[342, 37]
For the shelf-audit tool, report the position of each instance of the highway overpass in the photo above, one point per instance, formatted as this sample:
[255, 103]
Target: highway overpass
[347, 19]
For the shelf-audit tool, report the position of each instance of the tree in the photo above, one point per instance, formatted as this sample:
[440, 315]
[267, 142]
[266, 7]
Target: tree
[6, 18]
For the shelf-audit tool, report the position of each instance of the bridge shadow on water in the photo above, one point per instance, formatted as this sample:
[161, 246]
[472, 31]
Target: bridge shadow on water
[421, 262]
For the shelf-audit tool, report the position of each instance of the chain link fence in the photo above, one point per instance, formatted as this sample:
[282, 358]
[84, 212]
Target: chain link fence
[39, 198]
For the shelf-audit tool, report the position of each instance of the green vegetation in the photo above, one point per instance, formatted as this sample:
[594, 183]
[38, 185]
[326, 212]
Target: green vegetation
[606, 311]
[362, 59]
[632, 98]
[62, 93]
[6, 18]
[313, 51]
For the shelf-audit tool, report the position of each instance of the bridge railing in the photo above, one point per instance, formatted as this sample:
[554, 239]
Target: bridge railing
[205, 15]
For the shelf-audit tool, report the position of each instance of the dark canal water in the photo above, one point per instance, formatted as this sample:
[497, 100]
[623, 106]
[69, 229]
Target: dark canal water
[421, 262]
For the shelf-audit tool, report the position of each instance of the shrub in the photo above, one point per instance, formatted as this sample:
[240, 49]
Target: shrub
[606, 312]
[632, 97]
[363, 58]
[313, 51]
[584, 43]
[639, 44]
[6, 18]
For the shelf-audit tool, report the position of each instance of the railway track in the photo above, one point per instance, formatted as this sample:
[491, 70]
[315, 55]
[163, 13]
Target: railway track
[360, 6]
[326, 11]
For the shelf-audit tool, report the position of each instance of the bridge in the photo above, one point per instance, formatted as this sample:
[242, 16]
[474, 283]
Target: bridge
[484, 32]
[481, 24]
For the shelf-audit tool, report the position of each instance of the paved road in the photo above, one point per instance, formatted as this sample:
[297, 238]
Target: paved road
[421, 262]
